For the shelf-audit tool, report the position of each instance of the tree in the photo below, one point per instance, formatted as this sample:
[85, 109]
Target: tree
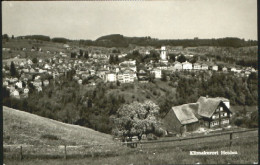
[12, 36]
[164, 76]
[181, 58]
[116, 59]
[152, 77]
[35, 60]
[86, 55]
[72, 55]
[13, 69]
[5, 37]
[80, 53]
[135, 119]
[171, 57]
[111, 59]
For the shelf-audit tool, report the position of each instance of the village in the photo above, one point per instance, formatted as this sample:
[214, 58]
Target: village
[97, 67]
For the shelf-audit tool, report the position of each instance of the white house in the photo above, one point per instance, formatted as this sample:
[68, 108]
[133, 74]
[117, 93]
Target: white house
[21, 64]
[29, 62]
[111, 77]
[224, 69]
[37, 83]
[157, 72]
[186, 65]
[19, 84]
[39, 88]
[32, 70]
[233, 69]
[204, 67]
[80, 81]
[15, 94]
[26, 90]
[196, 66]
[46, 82]
[126, 76]
[47, 66]
[177, 65]
[129, 62]
[5, 83]
[37, 77]
[215, 67]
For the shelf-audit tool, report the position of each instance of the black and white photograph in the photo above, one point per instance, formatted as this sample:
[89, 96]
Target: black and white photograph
[144, 82]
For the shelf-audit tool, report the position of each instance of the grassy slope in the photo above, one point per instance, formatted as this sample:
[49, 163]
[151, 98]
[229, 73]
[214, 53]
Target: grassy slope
[168, 153]
[25, 128]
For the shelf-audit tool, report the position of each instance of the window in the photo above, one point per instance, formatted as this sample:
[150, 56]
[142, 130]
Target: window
[224, 114]
[214, 123]
[225, 121]
[221, 108]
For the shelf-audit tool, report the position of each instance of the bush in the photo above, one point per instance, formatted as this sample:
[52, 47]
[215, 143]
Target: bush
[159, 132]
[238, 121]
[151, 136]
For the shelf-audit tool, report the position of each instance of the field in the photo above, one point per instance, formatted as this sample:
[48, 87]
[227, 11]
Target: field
[43, 142]
[19, 127]
[165, 154]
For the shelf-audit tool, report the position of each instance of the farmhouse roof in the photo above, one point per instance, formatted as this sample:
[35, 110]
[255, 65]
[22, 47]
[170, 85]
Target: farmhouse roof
[185, 113]
[207, 106]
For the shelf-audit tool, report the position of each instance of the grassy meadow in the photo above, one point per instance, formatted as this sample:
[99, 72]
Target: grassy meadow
[43, 142]
[247, 154]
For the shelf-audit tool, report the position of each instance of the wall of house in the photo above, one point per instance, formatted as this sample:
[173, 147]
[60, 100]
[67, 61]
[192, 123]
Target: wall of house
[171, 123]
[221, 117]
[192, 127]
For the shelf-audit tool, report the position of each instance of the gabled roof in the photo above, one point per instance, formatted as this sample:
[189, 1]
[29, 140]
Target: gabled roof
[185, 63]
[185, 113]
[207, 106]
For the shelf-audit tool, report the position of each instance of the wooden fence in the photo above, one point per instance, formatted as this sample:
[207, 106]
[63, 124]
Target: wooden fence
[230, 133]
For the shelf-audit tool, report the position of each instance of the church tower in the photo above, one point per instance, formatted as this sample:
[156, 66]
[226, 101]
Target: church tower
[163, 53]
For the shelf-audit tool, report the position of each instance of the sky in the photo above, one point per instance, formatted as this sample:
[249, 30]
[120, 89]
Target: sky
[177, 19]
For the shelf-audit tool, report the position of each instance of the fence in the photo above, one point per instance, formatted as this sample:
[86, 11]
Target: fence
[230, 133]
[63, 151]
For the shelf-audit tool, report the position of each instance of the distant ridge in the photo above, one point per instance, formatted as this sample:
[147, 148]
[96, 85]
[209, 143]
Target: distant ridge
[118, 40]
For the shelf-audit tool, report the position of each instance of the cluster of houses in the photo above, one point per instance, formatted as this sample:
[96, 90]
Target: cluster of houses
[96, 68]
[206, 112]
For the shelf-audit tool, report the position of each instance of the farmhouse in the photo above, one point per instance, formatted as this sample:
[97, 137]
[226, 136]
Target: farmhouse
[206, 112]
[214, 111]
[181, 119]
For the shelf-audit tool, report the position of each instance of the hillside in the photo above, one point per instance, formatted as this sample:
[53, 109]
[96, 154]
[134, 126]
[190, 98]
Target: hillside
[25, 128]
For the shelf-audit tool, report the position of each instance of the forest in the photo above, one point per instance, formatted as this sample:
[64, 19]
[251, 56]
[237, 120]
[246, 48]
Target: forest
[117, 40]
[66, 101]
